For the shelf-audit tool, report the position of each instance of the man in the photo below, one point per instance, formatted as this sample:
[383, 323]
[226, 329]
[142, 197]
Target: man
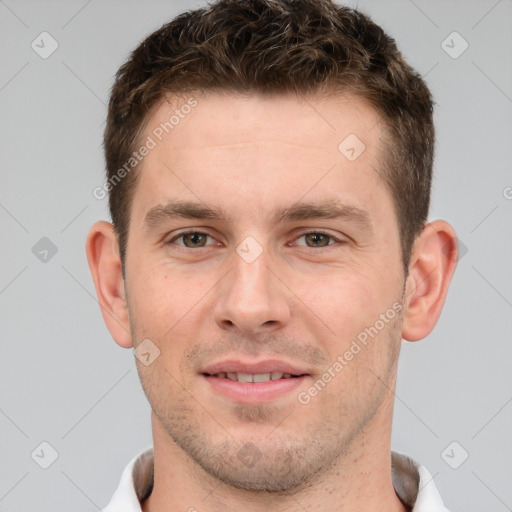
[269, 167]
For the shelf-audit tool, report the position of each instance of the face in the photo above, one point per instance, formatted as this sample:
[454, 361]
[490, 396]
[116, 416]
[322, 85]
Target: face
[263, 261]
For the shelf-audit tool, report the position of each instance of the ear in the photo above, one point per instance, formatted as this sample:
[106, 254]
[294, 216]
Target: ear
[106, 269]
[433, 261]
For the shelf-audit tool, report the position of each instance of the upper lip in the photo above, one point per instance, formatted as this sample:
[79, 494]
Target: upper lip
[267, 366]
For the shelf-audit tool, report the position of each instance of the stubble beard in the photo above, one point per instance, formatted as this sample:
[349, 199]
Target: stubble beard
[275, 461]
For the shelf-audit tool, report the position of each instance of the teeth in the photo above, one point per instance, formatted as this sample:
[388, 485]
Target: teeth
[244, 377]
[261, 377]
[253, 377]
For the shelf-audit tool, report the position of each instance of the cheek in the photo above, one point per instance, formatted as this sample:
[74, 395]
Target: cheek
[149, 305]
[344, 302]
[161, 297]
[366, 362]
[343, 312]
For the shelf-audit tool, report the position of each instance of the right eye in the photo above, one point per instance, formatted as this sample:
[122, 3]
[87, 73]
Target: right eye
[192, 239]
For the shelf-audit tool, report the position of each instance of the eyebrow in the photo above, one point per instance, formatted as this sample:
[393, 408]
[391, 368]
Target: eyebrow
[297, 212]
[325, 210]
[181, 210]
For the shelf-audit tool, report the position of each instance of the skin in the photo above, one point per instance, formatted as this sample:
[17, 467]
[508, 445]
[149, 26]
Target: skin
[300, 301]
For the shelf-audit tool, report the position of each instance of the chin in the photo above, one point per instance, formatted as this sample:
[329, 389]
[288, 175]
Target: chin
[265, 466]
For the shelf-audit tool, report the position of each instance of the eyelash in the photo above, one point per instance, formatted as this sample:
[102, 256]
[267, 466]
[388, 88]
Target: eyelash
[190, 232]
[184, 233]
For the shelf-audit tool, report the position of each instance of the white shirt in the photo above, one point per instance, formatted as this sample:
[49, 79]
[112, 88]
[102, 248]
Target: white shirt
[412, 482]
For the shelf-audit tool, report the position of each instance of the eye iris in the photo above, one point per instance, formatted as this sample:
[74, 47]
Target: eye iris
[194, 239]
[317, 240]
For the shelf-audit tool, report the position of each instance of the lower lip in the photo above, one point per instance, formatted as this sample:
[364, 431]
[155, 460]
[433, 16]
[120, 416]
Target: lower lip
[254, 392]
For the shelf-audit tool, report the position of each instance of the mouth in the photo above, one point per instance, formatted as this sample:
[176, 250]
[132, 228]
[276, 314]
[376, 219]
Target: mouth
[252, 377]
[250, 383]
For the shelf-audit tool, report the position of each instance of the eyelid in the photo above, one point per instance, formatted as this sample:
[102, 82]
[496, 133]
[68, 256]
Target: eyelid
[302, 233]
[308, 231]
[189, 231]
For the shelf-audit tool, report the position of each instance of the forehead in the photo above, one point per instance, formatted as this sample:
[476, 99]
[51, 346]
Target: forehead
[256, 150]
[240, 118]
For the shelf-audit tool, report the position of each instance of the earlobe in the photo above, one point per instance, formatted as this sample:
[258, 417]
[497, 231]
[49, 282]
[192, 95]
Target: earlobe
[106, 269]
[433, 261]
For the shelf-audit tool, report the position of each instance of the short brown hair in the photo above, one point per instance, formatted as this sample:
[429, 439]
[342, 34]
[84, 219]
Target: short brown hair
[274, 46]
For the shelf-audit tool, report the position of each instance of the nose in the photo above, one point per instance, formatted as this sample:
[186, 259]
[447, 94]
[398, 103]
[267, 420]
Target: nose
[252, 299]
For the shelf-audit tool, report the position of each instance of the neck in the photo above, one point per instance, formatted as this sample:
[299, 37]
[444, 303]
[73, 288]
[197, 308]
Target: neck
[359, 480]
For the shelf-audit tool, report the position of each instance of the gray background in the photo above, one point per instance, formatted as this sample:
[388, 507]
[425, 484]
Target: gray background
[64, 381]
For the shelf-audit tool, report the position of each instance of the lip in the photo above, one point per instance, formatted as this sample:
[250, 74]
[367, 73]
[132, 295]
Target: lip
[267, 366]
[253, 392]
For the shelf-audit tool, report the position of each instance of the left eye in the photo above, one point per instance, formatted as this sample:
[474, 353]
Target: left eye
[192, 240]
[316, 240]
